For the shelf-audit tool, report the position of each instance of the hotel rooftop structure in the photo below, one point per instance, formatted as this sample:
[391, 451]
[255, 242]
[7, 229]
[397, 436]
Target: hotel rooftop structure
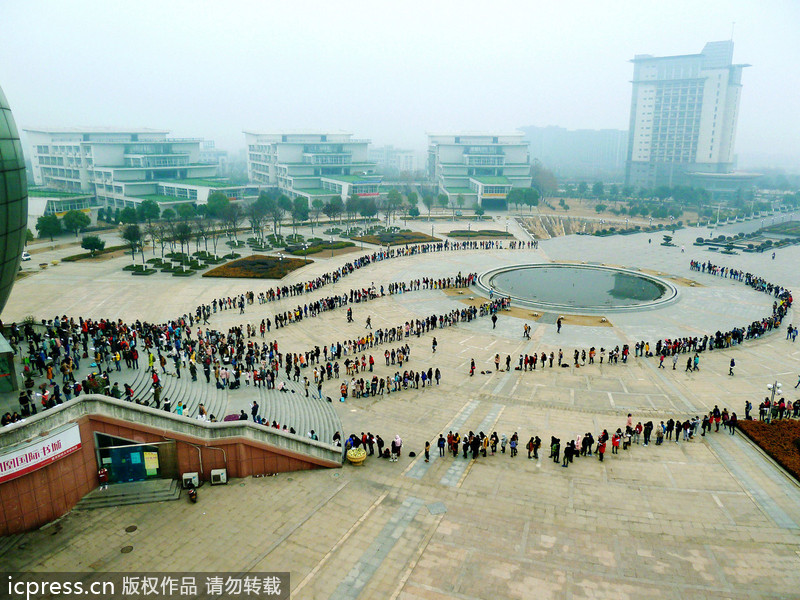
[312, 164]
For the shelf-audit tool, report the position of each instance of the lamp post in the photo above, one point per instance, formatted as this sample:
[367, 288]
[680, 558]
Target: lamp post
[774, 387]
[305, 252]
[331, 245]
[431, 230]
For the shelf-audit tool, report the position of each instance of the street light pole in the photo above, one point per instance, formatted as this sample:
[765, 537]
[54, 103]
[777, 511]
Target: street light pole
[775, 387]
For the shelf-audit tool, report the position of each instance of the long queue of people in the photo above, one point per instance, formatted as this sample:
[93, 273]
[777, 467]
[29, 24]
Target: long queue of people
[474, 445]
[204, 311]
[667, 350]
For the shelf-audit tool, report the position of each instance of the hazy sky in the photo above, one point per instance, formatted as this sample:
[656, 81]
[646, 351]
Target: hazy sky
[390, 71]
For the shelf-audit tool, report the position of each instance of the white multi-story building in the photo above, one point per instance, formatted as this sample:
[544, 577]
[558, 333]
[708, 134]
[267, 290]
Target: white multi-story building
[122, 167]
[46, 202]
[312, 165]
[684, 111]
[481, 168]
[394, 160]
[211, 155]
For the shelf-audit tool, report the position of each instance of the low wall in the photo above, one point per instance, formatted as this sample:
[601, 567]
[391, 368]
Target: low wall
[242, 447]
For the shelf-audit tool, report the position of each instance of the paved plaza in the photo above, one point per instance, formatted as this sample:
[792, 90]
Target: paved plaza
[708, 518]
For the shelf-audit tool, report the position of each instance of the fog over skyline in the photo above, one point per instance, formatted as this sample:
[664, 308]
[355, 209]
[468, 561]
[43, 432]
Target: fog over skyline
[388, 72]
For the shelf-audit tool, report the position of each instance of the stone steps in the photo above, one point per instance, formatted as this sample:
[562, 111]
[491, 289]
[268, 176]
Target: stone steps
[140, 492]
[299, 412]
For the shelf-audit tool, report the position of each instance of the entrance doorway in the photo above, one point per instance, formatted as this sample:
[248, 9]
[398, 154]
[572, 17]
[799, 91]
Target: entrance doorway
[128, 461]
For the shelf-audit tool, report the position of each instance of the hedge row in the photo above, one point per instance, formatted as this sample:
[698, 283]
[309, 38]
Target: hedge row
[86, 255]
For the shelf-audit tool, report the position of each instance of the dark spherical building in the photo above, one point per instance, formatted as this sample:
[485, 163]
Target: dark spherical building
[13, 201]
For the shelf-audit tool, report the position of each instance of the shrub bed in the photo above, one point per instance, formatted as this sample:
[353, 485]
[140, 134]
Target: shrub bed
[186, 273]
[145, 272]
[473, 233]
[86, 255]
[299, 251]
[779, 439]
[137, 268]
[397, 239]
[257, 267]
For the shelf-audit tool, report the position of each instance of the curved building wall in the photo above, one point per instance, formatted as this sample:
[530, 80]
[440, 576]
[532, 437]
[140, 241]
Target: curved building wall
[13, 201]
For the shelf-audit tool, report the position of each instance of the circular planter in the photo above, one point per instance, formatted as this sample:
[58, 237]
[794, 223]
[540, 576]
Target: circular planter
[356, 456]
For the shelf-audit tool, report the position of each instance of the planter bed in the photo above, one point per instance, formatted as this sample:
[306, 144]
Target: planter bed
[295, 251]
[258, 267]
[479, 233]
[397, 239]
[779, 439]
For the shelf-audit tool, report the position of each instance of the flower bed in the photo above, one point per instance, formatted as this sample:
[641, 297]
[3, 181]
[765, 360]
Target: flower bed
[779, 439]
[479, 233]
[397, 239]
[257, 267]
[294, 250]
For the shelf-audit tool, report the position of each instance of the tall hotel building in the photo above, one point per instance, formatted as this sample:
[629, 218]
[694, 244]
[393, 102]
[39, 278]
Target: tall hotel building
[684, 111]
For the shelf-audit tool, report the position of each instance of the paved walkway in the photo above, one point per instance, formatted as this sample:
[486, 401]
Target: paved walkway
[709, 518]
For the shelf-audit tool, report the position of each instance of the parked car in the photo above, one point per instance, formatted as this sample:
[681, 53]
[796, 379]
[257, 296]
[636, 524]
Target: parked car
[26, 256]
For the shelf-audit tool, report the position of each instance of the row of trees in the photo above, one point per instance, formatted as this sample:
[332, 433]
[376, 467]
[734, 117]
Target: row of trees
[268, 207]
[73, 221]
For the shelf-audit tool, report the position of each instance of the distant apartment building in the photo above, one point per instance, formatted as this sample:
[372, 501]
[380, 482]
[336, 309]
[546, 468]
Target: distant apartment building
[211, 155]
[391, 160]
[684, 111]
[579, 153]
[121, 168]
[480, 167]
[312, 165]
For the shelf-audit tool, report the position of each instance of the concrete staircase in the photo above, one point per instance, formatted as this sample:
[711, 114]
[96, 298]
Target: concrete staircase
[291, 408]
[295, 410]
[191, 393]
[137, 492]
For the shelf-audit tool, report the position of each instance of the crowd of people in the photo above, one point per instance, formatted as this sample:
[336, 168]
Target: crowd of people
[474, 445]
[668, 350]
[56, 351]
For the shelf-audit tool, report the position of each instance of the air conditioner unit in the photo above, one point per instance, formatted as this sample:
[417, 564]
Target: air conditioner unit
[219, 476]
[190, 480]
